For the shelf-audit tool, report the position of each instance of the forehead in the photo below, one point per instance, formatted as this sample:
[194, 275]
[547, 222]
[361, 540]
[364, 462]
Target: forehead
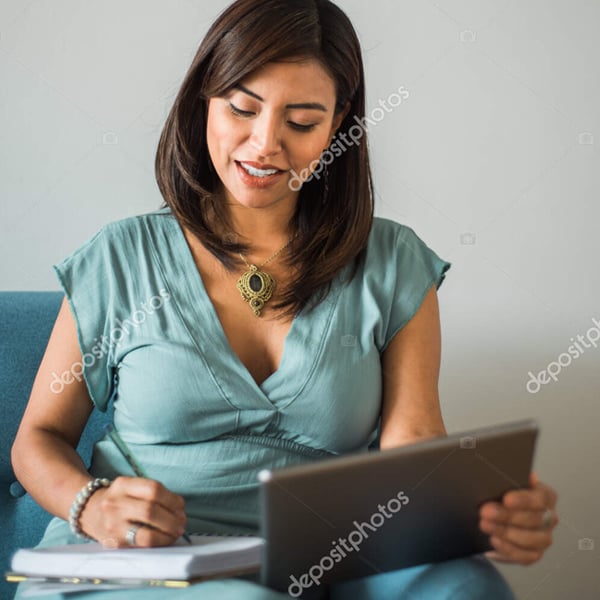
[290, 81]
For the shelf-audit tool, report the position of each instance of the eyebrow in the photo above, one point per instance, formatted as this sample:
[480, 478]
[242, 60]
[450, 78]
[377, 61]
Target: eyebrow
[303, 105]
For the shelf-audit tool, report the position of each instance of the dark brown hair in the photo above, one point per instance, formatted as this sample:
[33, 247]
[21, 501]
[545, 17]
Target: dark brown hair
[332, 221]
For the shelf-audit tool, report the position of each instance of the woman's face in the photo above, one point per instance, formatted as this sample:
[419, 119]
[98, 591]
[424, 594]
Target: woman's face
[270, 128]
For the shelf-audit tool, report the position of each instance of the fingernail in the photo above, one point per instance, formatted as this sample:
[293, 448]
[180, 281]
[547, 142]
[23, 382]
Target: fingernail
[492, 513]
[484, 525]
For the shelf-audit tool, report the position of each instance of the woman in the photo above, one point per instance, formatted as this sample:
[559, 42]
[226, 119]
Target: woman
[251, 322]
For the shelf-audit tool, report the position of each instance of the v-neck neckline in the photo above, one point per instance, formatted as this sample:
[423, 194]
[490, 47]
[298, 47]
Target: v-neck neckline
[196, 307]
[219, 325]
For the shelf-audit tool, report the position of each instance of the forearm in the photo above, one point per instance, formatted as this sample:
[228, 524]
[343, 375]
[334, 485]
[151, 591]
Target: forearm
[50, 469]
[393, 439]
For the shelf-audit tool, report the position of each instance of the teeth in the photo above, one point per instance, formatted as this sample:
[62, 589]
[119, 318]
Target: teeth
[258, 172]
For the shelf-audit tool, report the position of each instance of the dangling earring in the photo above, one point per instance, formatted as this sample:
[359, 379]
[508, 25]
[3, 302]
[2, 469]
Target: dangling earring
[325, 185]
[326, 173]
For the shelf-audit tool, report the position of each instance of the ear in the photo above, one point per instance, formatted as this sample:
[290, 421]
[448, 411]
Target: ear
[338, 119]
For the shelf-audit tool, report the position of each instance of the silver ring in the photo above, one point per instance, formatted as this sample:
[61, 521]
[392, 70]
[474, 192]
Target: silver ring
[130, 535]
[547, 518]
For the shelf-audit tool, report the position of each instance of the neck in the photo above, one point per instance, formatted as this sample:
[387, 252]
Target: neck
[265, 230]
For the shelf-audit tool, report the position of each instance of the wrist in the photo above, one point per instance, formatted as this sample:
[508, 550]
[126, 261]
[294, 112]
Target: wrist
[82, 499]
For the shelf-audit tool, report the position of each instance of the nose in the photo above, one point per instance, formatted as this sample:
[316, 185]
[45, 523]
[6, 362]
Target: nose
[266, 136]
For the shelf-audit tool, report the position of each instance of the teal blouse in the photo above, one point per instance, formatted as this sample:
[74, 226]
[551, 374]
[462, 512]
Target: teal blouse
[192, 414]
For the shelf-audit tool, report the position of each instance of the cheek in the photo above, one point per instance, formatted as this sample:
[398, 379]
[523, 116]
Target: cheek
[310, 150]
[220, 135]
[311, 147]
[212, 132]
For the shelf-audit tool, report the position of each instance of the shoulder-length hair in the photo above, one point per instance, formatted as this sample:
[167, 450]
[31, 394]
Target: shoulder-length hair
[334, 214]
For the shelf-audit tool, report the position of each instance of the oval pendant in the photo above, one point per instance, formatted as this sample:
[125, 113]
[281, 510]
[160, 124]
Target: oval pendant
[256, 288]
[256, 284]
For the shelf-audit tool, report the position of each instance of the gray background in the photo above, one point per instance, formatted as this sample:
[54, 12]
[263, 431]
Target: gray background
[494, 161]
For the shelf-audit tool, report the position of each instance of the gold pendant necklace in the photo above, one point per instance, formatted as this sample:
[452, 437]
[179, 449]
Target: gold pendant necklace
[256, 286]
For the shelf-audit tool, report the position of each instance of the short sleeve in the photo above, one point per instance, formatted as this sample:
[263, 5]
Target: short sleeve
[85, 279]
[416, 269]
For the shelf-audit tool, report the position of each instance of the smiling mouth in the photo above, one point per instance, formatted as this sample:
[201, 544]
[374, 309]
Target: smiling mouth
[260, 173]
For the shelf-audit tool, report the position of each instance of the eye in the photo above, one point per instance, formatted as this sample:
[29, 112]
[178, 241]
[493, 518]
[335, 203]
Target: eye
[298, 127]
[239, 112]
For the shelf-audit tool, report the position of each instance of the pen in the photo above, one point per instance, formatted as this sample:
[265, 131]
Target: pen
[124, 450]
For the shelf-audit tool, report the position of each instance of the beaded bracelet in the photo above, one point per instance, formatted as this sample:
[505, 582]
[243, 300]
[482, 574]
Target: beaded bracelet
[79, 504]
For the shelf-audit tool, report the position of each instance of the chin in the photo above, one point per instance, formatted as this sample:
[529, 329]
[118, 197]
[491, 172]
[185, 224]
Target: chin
[264, 202]
[258, 198]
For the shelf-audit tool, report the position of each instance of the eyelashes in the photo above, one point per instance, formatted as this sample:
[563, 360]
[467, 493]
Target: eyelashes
[245, 114]
[238, 112]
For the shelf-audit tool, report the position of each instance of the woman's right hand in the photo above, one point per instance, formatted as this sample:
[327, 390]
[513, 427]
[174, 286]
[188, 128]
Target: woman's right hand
[128, 501]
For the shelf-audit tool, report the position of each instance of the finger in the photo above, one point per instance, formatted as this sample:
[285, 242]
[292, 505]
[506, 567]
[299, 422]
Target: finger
[535, 499]
[493, 555]
[512, 553]
[492, 510]
[153, 515]
[551, 495]
[527, 539]
[525, 519]
[147, 537]
[118, 512]
[541, 493]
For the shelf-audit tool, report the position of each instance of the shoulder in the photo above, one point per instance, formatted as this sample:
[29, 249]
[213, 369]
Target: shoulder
[384, 224]
[395, 253]
[119, 242]
[398, 272]
[135, 226]
[388, 237]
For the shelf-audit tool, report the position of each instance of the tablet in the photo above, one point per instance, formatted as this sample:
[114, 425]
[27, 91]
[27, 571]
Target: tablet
[367, 513]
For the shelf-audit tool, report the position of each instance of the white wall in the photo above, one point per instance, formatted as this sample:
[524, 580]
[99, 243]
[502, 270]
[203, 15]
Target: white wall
[499, 139]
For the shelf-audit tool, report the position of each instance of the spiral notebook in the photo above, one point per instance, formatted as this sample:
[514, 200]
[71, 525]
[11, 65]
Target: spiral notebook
[208, 557]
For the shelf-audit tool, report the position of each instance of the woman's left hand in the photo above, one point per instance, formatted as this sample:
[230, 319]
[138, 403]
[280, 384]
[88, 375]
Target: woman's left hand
[520, 533]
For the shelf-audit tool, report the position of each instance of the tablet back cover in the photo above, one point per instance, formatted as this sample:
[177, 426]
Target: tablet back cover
[367, 513]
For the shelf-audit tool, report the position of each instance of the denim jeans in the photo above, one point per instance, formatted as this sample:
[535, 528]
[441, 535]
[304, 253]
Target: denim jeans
[474, 578]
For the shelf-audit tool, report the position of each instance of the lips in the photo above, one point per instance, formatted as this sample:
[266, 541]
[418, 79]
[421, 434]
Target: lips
[259, 170]
[258, 177]
[262, 166]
